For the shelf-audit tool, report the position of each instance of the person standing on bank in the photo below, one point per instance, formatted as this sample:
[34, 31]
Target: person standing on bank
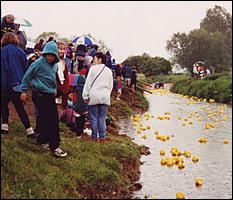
[42, 74]
[96, 92]
[13, 67]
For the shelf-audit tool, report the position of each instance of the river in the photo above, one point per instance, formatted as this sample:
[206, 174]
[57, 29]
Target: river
[214, 166]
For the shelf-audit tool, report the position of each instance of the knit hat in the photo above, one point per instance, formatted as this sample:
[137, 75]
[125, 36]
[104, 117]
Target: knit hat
[83, 71]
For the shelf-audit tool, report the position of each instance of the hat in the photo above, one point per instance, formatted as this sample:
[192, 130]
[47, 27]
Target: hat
[83, 71]
[31, 55]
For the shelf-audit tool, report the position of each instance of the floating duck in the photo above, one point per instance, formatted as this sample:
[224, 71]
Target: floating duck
[225, 141]
[216, 120]
[183, 124]
[170, 162]
[152, 116]
[190, 122]
[180, 195]
[163, 161]
[148, 127]
[156, 132]
[199, 181]
[139, 131]
[162, 152]
[195, 159]
[185, 119]
[134, 124]
[200, 119]
[144, 136]
[212, 125]
[179, 118]
[153, 197]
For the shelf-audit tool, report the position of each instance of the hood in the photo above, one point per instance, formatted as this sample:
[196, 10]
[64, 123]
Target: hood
[51, 47]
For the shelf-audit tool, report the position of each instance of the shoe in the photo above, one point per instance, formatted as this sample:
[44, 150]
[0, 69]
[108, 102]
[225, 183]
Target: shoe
[32, 136]
[4, 132]
[59, 153]
[103, 141]
[44, 146]
[118, 98]
[79, 136]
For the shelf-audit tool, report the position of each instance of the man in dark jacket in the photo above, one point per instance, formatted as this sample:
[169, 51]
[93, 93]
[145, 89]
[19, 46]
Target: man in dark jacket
[7, 24]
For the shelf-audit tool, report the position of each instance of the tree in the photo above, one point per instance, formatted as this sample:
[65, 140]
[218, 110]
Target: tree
[46, 35]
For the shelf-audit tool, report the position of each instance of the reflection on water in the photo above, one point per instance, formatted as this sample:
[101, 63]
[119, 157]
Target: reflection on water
[215, 157]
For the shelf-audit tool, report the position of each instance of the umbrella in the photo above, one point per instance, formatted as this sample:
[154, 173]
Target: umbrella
[200, 63]
[82, 40]
[73, 79]
[22, 22]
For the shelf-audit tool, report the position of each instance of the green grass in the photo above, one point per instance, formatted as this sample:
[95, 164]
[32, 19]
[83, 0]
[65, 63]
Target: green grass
[217, 87]
[28, 171]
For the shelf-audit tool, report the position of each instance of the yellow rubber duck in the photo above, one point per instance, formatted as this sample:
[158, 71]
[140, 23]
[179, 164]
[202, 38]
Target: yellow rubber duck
[199, 181]
[180, 195]
[183, 124]
[195, 159]
[225, 141]
[200, 119]
[153, 197]
[144, 136]
[156, 132]
[162, 152]
[216, 120]
[170, 162]
[163, 161]
[148, 127]
[139, 131]
[152, 116]
[185, 119]
[179, 118]
[190, 122]
[134, 124]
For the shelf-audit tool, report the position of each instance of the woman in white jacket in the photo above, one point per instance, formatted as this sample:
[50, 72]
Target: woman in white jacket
[97, 91]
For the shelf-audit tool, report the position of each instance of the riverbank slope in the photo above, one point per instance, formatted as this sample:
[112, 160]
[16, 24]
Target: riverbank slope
[91, 169]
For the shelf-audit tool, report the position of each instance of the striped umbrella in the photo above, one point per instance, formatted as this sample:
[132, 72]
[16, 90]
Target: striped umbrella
[82, 40]
[22, 22]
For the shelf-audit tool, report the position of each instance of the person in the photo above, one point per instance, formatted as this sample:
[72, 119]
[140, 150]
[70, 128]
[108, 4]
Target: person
[195, 71]
[128, 75]
[69, 56]
[118, 70]
[109, 60]
[68, 114]
[96, 93]
[7, 24]
[208, 71]
[114, 68]
[21, 36]
[80, 107]
[31, 58]
[123, 72]
[211, 70]
[201, 71]
[118, 87]
[62, 79]
[134, 78]
[80, 57]
[39, 45]
[51, 38]
[42, 74]
[13, 67]
[94, 49]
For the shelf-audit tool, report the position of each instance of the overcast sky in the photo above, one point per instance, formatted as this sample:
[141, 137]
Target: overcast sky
[129, 28]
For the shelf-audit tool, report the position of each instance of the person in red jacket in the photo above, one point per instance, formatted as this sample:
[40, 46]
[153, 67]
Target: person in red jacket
[62, 79]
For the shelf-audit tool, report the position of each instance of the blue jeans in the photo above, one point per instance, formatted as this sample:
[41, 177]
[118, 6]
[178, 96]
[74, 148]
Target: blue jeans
[97, 115]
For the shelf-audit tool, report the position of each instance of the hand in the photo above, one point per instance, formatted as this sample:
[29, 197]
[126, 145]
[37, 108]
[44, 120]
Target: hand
[23, 98]
[86, 100]
[55, 94]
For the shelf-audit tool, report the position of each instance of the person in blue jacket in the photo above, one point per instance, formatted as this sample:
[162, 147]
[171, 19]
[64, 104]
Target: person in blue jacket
[42, 74]
[13, 67]
[7, 24]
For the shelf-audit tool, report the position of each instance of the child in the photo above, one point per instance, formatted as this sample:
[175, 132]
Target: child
[67, 114]
[80, 107]
[118, 87]
[62, 79]
[42, 74]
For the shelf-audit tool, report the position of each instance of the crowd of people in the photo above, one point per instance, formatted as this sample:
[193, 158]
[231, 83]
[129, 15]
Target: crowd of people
[47, 70]
[198, 70]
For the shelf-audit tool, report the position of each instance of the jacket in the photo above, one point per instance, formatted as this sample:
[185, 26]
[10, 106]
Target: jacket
[101, 90]
[14, 65]
[79, 105]
[5, 27]
[42, 75]
[63, 89]
[128, 72]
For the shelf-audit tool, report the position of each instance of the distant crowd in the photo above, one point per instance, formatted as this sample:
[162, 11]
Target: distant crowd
[70, 83]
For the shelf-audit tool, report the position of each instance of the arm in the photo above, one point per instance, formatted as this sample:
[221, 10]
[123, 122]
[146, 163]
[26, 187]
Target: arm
[4, 69]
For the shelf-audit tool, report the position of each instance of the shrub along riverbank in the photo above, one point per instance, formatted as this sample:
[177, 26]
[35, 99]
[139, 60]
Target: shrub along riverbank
[217, 87]
[91, 169]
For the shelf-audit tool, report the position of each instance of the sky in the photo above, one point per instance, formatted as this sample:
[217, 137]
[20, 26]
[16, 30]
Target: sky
[128, 28]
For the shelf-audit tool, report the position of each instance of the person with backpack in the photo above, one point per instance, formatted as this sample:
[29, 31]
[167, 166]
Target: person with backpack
[22, 37]
[13, 67]
[128, 75]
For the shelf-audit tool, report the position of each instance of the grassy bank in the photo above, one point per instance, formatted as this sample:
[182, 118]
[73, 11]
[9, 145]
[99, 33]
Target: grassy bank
[91, 169]
[217, 87]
